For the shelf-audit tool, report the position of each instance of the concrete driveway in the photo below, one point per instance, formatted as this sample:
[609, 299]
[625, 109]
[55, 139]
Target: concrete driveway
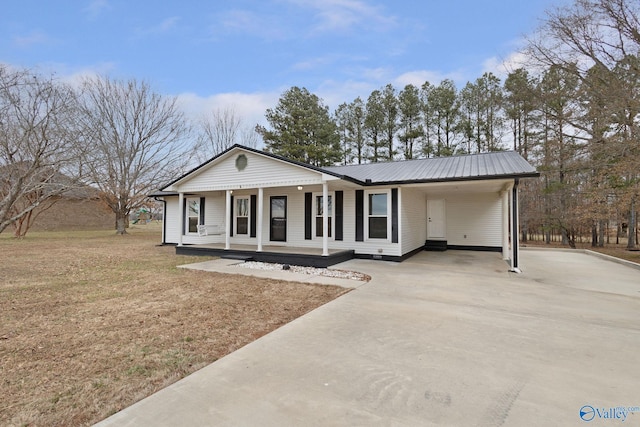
[446, 339]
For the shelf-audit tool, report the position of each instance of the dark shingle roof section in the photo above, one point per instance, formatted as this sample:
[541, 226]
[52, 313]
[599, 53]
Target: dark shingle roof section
[503, 164]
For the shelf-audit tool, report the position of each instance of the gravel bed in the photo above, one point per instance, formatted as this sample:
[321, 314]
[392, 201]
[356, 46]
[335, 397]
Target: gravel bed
[313, 271]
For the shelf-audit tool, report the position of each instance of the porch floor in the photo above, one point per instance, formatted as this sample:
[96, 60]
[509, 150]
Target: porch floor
[309, 257]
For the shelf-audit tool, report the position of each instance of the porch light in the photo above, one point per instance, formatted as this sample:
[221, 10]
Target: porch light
[231, 192]
[299, 187]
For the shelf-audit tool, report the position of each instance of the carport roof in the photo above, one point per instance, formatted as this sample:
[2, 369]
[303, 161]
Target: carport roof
[503, 164]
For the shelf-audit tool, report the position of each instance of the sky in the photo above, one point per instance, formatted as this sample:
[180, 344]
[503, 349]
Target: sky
[244, 54]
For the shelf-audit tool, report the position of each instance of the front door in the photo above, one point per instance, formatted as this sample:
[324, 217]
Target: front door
[278, 223]
[435, 219]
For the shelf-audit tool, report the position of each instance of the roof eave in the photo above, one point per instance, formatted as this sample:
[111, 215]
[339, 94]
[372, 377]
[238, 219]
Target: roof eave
[455, 179]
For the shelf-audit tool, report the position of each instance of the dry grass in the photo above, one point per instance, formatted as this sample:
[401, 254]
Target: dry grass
[91, 322]
[618, 251]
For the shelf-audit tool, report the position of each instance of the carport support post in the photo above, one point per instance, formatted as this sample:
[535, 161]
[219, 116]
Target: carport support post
[505, 224]
[181, 216]
[325, 219]
[227, 236]
[515, 235]
[260, 213]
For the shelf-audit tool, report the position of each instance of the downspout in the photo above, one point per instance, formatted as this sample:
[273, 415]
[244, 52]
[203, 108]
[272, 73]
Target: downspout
[515, 235]
[164, 215]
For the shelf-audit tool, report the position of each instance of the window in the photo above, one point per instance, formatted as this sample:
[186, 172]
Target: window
[193, 215]
[378, 215]
[319, 231]
[242, 215]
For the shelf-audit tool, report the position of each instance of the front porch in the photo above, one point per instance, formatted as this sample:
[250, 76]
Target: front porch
[307, 257]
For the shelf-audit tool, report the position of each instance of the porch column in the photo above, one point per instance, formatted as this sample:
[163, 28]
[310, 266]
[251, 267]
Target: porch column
[505, 224]
[325, 219]
[260, 215]
[181, 216]
[227, 235]
[515, 235]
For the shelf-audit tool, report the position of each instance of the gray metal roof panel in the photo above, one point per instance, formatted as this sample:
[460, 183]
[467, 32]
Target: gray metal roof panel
[472, 166]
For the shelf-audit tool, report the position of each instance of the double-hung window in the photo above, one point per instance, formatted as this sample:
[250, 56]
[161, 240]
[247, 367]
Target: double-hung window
[319, 214]
[193, 214]
[378, 215]
[242, 215]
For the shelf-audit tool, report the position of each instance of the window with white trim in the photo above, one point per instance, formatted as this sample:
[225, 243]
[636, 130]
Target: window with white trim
[378, 214]
[319, 211]
[193, 214]
[242, 215]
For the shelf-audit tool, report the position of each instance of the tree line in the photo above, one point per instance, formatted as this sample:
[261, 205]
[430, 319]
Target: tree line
[573, 112]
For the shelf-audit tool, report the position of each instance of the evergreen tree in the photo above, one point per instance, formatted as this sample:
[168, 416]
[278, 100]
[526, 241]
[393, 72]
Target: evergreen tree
[410, 119]
[520, 99]
[351, 123]
[302, 129]
[373, 126]
[446, 113]
[390, 119]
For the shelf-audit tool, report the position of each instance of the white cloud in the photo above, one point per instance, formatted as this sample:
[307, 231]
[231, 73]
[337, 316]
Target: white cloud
[77, 76]
[247, 22]
[313, 63]
[250, 107]
[341, 15]
[418, 77]
[35, 37]
[163, 27]
[501, 67]
[96, 7]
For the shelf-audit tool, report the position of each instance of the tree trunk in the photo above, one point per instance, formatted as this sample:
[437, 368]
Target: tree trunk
[121, 222]
[594, 235]
[601, 229]
[631, 229]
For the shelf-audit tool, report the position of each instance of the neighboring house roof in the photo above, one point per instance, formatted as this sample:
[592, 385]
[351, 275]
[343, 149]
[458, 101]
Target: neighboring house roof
[501, 164]
[497, 165]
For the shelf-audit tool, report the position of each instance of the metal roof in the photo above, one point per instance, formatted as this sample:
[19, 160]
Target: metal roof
[502, 164]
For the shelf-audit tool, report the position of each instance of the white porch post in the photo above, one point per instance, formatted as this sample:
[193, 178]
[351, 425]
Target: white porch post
[325, 219]
[227, 236]
[505, 224]
[260, 215]
[181, 216]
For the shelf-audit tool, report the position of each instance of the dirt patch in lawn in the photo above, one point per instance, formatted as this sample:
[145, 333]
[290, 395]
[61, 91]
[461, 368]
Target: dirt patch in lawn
[91, 322]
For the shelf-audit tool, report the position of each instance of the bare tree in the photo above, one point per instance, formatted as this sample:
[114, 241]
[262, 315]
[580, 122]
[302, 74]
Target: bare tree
[604, 34]
[37, 144]
[136, 139]
[220, 130]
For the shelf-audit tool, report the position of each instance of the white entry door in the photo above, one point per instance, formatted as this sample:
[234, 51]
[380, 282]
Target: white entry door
[435, 219]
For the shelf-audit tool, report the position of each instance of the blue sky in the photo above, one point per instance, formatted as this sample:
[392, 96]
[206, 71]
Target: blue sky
[245, 53]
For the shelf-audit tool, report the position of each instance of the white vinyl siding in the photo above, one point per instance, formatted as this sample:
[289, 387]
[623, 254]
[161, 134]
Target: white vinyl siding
[172, 220]
[474, 219]
[413, 213]
[261, 171]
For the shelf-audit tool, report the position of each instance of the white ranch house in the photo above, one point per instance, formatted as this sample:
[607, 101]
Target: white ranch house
[249, 204]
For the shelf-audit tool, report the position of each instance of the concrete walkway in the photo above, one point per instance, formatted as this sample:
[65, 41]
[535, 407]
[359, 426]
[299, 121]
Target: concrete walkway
[442, 339]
